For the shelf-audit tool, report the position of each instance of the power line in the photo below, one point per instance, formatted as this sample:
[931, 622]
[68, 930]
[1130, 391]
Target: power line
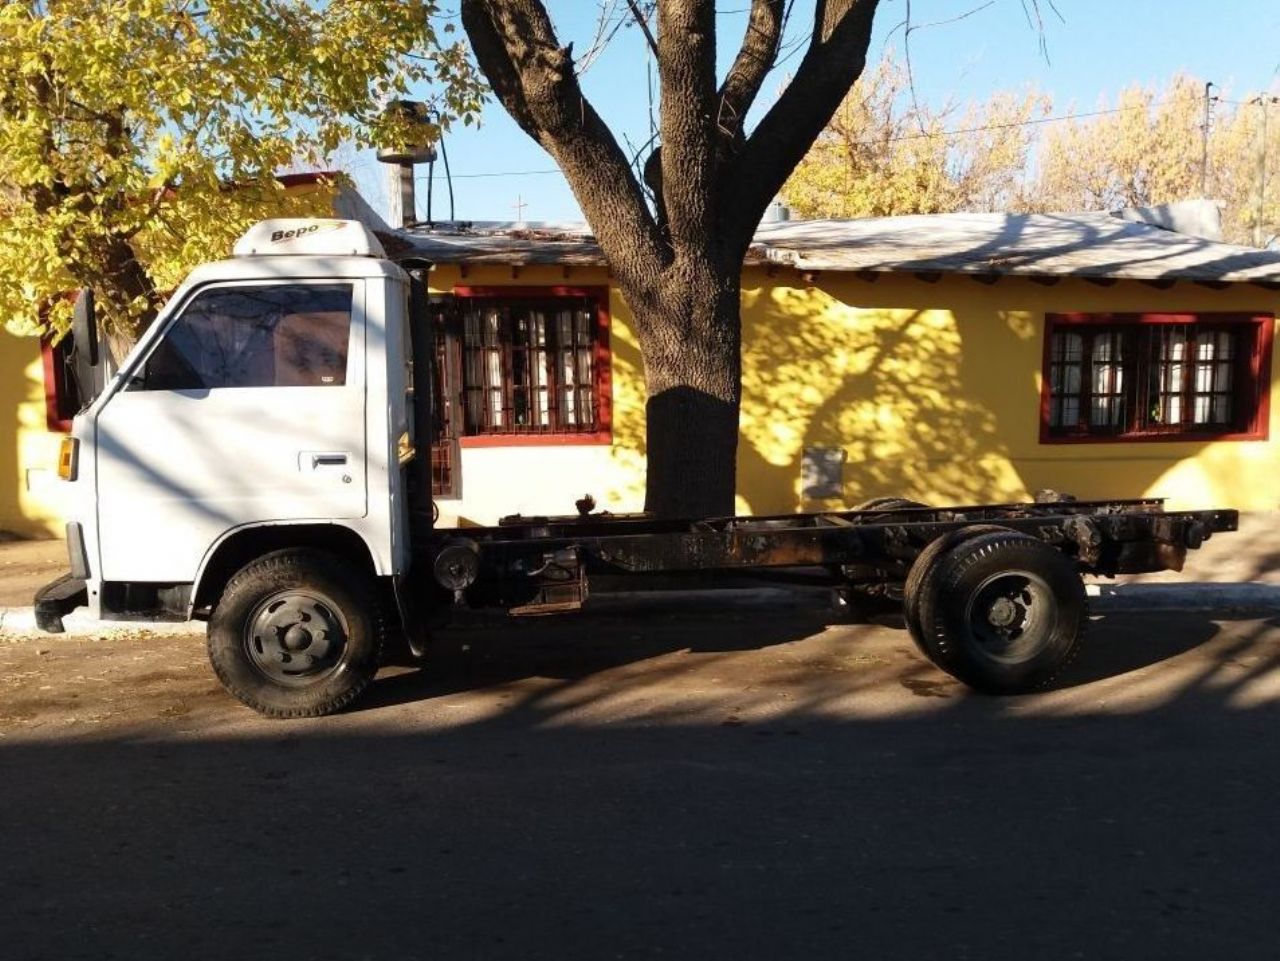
[1012, 123]
[869, 143]
[502, 173]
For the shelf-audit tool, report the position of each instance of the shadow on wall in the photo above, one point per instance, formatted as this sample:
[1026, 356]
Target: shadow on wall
[1000, 374]
[938, 402]
[892, 387]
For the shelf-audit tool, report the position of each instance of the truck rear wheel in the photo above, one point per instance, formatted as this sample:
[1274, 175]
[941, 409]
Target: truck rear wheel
[921, 579]
[1005, 615]
[297, 633]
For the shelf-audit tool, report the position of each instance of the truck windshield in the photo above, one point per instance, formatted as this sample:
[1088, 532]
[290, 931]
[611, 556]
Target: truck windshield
[277, 335]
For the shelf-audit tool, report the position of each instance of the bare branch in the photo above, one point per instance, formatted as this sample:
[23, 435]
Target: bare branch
[908, 28]
[754, 61]
[644, 25]
[534, 77]
[1035, 20]
[836, 56]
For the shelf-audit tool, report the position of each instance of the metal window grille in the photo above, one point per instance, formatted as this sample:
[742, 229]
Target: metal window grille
[529, 367]
[1191, 380]
[1150, 379]
[444, 427]
[1088, 381]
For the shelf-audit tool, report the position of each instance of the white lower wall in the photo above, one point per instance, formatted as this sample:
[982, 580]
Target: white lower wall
[498, 481]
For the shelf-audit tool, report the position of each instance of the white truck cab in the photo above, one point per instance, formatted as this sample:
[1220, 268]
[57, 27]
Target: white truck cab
[266, 409]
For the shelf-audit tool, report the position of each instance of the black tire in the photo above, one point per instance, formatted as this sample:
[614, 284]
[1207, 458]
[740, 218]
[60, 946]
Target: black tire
[1005, 614]
[264, 645]
[923, 574]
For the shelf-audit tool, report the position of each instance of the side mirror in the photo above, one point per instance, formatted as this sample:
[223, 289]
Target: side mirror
[84, 347]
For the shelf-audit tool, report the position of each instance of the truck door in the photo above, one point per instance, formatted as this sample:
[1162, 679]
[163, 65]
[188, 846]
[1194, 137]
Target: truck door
[250, 407]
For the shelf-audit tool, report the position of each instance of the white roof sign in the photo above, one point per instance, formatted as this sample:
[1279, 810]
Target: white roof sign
[307, 235]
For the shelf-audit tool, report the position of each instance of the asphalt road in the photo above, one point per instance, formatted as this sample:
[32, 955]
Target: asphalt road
[644, 785]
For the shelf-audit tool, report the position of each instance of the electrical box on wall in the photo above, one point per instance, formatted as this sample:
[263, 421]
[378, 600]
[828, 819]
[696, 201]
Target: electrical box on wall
[822, 472]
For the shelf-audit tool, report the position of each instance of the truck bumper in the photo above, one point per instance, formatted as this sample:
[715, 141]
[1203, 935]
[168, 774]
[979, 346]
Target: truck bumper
[57, 599]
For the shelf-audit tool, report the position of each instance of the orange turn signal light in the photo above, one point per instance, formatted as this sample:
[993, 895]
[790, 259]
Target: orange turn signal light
[68, 458]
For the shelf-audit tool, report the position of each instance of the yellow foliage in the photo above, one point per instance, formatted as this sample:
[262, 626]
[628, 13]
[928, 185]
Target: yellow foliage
[884, 155]
[1147, 151]
[123, 123]
[1251, 201]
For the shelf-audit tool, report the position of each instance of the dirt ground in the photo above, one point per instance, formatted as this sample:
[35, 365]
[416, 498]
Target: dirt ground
[646, 784]
[26, 566]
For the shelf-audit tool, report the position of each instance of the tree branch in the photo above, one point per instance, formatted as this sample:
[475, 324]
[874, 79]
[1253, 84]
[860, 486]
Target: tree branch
[534, 77]
[835, 58]
[754, 61]
[686, 70]
[638, 16]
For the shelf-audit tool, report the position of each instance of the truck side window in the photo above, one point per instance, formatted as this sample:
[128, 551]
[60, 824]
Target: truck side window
[278, 335]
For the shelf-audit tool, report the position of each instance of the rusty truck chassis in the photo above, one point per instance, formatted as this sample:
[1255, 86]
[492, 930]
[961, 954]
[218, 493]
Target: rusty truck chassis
[538, 565]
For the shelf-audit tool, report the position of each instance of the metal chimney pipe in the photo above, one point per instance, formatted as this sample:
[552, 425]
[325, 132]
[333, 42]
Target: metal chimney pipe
[406, 155]
[408, 200]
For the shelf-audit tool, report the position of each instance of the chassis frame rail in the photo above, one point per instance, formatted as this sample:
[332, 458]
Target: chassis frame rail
[541, 564]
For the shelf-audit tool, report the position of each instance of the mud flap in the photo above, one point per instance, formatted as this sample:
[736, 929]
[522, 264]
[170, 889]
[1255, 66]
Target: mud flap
[57, 599]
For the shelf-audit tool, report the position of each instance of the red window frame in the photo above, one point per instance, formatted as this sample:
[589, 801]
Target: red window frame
[603, 367]
[1252, 375]
[60, 398]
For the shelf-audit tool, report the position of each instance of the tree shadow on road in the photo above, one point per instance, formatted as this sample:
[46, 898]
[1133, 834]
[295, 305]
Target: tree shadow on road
[497, 651]
[760, 788]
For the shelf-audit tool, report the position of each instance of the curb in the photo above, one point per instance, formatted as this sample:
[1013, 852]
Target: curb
[21, 621]
[1232, 598]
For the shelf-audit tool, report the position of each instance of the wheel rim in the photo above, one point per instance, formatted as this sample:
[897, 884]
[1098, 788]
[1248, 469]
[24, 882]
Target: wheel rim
[1010, 616]
[296, 638]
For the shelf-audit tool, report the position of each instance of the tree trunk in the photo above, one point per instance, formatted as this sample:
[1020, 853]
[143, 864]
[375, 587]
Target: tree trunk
[123, 279]
[679, 262]
[691, 343]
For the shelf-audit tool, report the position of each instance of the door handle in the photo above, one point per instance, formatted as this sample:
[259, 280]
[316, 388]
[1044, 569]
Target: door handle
[317, 460]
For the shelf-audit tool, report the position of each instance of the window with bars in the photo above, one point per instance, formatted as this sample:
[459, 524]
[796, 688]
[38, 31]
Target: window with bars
[529, 366]
[524, 365]
[1155, 376]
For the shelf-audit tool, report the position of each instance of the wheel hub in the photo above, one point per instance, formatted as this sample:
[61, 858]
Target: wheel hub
[1009, 614]
[1003, 613]
[295, 638]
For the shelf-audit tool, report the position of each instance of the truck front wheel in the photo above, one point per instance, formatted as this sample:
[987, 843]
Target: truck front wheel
[297, 633]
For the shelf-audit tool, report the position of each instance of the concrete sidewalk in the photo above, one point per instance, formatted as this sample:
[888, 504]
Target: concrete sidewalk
[1237, 572]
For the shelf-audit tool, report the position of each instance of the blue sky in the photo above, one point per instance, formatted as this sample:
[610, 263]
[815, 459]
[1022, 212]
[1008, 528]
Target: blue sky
[1096, 49]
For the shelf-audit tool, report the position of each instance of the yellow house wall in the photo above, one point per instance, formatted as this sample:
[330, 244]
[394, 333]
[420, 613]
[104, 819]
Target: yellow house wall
[31, 502]
[933, 391]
